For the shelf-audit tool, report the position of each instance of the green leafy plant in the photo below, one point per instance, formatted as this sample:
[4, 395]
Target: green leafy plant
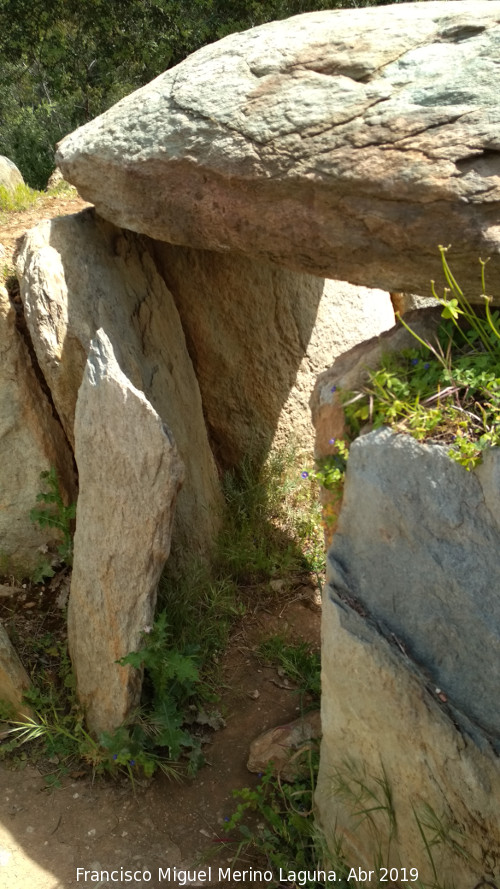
[329, 474]
[54, 514]
[173, 682]
[155, 737]
[275, 820]
[447, 391]
[329, 471]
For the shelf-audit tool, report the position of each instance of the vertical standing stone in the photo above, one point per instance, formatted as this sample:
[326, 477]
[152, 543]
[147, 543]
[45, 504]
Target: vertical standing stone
[14, 680]
[31, 441]
[130, 474]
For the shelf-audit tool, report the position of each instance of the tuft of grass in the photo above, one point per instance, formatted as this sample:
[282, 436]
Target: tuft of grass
[22, 197]
[273, 524]
[298, 660]
[201, 608]
[271, 528]
[63, 189]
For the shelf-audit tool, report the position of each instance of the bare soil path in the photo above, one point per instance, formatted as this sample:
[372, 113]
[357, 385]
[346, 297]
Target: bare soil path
[14, 225]
[45, 835]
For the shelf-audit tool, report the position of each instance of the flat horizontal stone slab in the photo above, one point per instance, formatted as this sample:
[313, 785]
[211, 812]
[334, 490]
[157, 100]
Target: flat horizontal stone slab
[347, 144]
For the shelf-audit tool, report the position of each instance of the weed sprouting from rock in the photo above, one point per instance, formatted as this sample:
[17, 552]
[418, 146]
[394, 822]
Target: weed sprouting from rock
[447, 391]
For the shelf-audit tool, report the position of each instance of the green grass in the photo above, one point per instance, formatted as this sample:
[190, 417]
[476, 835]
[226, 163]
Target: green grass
[274, 523]
[447, 391]
[298, 660]
[22, 197]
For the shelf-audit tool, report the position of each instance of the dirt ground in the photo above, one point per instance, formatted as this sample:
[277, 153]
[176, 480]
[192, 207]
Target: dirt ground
[45, 835]
[14, 225]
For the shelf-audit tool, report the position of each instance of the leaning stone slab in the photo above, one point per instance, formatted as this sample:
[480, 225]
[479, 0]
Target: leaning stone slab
[78, 273]
[349, 371]
[259, 336]
[346, 143]
[14, 680]
[31, 442]
[129, 473]
[387, 733]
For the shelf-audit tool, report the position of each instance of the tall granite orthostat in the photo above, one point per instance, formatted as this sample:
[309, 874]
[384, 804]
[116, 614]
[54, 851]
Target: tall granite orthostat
[130, 474]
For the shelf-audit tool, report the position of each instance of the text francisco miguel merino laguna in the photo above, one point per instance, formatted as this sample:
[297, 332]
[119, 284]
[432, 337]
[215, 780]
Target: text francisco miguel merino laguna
[221, 874]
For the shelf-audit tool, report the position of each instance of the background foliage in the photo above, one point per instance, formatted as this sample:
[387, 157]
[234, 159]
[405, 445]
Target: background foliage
[63, 62]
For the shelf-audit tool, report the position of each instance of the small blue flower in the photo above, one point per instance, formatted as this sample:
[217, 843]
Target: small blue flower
[304, 474]
[332, 441]
[426, 365]
[115, 756]
[226, 818]
[131, 762]
[260, 774]
[414, 361]
[333, 389]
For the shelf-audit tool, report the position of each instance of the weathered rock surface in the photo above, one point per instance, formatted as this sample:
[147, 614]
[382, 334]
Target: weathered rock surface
[348, 373]
[287, 747]
[55, 178]
[31, 441]
[346, 143]
[10, 176]
[14, 680]
[78, 273]
[259, 335]
[421, 557]
[129, 475]
[384, 730]
[410, 643]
